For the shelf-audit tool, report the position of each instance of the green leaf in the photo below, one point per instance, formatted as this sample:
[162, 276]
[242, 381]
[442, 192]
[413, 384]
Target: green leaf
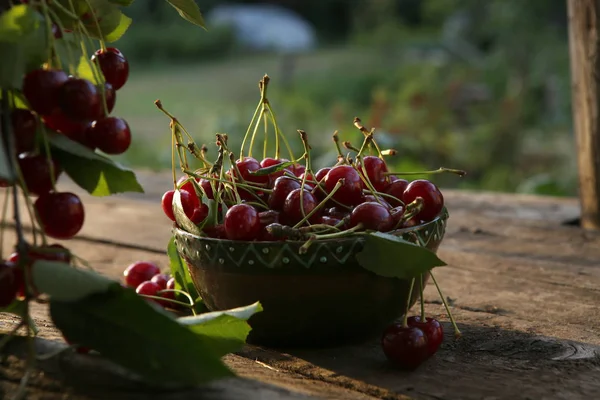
[111, 22]
[128, 330]
[19, 308]
[272, 169]
[124, 3]
[188, 9]
[63, 282]
[181, 218]
[228, 328]
[98, 175]
[18, 22]
[393, 257]
[179, 270]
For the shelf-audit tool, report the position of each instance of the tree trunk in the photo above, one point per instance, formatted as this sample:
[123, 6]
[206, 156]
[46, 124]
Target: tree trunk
[585, 70]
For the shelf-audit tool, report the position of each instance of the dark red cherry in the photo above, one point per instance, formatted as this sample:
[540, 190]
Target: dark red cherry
[377, 199]
[433, 331]
[24, 125]
[433, 200]
[292, 211]
[373, 216]
[248, 164]
[140, 271]
[350, 193]
[320, 175]
[281, 189]
[336, 212]
[269, 162]
[150, 288]
[41, 88]
[35, 169]
[61, 215]
[298, 170]
[216, 232]
[396, 189]
[187, 186]
[189, 203]
[110, 95]
[376, 169]
[161, 280]
[326, 220]
[200, 213]
[114, 66]
[406, 347]
[242, 223]
[80, 100]
[74, 130]
[205, 184]
[110, 134]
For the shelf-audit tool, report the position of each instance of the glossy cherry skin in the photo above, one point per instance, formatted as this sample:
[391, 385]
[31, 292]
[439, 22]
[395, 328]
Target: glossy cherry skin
[24, 125]
[111, 135]
[433, 331]
[406, 347]
[150, 288]
[110, 95]
[114, 66]
[269, 162]
[242, 223]
[298, 170]
[199, 214]
[188, 201]
[61, 214]
[337, 212]
[282, 187]
[376, 169]
[9, 284]
[320, 174]
[216, 232]
[161, 280]
[350, 193]
[74, 130]
[41, 88]
[397, 213]
[188, 186]
[248, 164]
[433, 200]
[170, 284]
[80, 100]
[396, 189]
[267, 218]
[36, 172]
[327, 220]
[140, 271]
[205, 184]
[372, 216]
[292, 211]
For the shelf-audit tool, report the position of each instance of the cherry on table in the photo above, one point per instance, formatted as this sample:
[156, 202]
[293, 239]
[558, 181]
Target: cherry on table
[161, 280]
[292, 211]
[80, 100]
[433, 331]
[111, 135]
[140, 271]
[114, 66]
[376, 169]
[170, 284]
[41, 88]
[61, 214]
[242, 223]
[372, 216]
[282, 187]
[406, 347]
[350, 193]
[9, 284]
[396, 189]
[433, 200]
[149, 288]
[37, 176]
[24, 125]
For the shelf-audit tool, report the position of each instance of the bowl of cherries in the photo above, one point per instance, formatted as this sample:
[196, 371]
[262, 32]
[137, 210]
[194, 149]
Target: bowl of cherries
[334, 254]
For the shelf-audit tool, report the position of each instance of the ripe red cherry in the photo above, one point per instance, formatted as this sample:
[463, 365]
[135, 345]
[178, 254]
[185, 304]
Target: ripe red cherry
[189, 202]
[327, 220]
[320, 174]
[248, 164]
[242, 223]
[376, 169]
[292, 212]
[41, 88]
[397, 214]
[350, 193]
[140, 271]
[36, 172]
[373, 216]
[199, 214]
[433, 331]
[187, 186]
[170, 284]
[24, 125]
[161, 280]
[433, 200]
[216, 232]
[150, 288]
[309, 177]
[60, 214]
[8, 284]
[396, 189]
[282, 187]
[80, 100]
[298, 170]
[205, 184]
[406, 347]
[269, 162]
[110, 95]
[114, 66]
[74, 130]
[110, 134]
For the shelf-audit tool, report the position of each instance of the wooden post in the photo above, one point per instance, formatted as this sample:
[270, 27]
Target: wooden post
[584, 42]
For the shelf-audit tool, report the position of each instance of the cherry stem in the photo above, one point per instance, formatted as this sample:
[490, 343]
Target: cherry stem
[321, 204]
[226, 181]
[314, 237]
[457, 333]
[258, 109]
[389, 152]
[358, 124]
[365, 178]
[422, 289]
[336, 141]
[307, 170]
[279, 134]
[173, 149]
[166, 299]
[410, 292]
[183, 292]
[435, 171]
[349, 146]
[389, 196]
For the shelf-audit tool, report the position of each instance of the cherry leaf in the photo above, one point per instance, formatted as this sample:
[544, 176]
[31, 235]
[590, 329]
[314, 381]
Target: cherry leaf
[18, 22]
[272, 169]
[179, 270]
[188, 9]
[393, 257]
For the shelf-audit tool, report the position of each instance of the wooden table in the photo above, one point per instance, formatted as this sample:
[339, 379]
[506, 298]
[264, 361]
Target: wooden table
[524, 287]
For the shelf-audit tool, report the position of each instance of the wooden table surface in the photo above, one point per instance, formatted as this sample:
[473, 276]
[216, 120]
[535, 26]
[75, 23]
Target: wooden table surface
[524, 288]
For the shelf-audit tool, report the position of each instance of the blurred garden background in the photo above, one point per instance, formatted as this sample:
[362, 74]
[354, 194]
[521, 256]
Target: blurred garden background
[482, 86]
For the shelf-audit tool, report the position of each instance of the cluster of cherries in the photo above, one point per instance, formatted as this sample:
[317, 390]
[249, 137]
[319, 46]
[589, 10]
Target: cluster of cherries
[147, 280]
[336, 196]
[79, 110]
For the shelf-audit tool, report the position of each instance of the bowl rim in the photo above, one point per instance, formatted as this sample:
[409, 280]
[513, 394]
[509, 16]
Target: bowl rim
[442, 216]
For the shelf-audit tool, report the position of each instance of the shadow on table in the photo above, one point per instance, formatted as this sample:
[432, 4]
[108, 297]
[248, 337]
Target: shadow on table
[486, 362]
